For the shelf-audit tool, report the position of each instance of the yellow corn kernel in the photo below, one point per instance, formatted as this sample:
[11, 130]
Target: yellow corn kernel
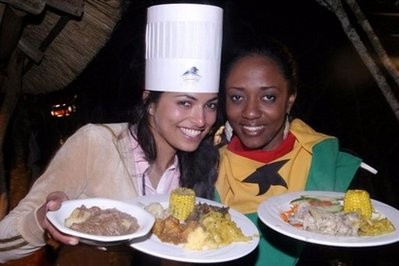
[357, 200]
[181, 203]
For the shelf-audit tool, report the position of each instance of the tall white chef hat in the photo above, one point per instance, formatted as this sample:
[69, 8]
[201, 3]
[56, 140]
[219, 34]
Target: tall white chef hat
[183, 48]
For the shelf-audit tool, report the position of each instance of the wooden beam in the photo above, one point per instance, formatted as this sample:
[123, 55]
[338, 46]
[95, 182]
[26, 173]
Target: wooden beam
[30, 51]
[72, 7]
[30, 6]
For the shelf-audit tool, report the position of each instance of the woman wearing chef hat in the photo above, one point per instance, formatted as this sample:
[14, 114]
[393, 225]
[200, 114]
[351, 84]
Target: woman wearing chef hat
[167, 143]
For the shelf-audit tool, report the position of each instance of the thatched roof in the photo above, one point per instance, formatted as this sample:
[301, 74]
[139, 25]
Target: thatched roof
[62, 55]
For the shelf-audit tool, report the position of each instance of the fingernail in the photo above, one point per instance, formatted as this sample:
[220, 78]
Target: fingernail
[73, 242]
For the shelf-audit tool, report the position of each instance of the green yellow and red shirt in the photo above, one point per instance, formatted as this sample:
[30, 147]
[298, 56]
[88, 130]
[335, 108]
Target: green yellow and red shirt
[306, 160]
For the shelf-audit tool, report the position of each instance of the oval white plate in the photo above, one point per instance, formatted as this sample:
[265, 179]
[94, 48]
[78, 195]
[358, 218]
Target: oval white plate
[144, 219]
[269, 213]
[155, 247]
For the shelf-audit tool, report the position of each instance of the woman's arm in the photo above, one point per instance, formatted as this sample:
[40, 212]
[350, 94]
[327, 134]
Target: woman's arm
[22, 230]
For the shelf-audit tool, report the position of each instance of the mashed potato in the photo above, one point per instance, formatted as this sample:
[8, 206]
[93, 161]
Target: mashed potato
[199, 239]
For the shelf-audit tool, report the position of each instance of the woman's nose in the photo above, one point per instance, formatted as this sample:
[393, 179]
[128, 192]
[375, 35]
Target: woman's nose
[199, 117]
[251, 110]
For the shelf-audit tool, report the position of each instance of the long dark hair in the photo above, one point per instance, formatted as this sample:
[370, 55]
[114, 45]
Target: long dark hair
[198, 169]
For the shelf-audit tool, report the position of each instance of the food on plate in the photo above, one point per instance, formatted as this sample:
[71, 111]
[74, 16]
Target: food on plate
[156, 209]
[205, 226]
[216, 230]
[330, 215]
[322, 215]
[171, 230]
[104, 222]
[373, 227]
[181, 202]
[357, 200]
[78, 215]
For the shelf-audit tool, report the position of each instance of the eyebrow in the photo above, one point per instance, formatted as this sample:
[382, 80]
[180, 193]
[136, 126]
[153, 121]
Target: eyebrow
[242, 88]
[216, 98]
[195, 98]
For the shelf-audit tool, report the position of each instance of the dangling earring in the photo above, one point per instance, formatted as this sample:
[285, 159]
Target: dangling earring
[287, 126]
[217, 138]
[228, 131]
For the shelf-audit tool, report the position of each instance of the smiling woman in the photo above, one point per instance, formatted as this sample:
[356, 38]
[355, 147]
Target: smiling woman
[270, 153]
[166, 144]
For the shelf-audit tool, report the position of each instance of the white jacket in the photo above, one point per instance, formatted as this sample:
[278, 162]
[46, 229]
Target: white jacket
[96, 161]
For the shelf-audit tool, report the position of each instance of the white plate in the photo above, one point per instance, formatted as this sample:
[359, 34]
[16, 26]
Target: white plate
[144, 219]
[155, 247]
[269, 212]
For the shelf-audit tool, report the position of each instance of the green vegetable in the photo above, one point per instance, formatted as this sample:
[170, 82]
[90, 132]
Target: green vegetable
[327, 203]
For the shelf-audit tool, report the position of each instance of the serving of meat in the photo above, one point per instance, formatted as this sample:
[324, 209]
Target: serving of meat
[104, 222]
[331, 216]
[317, 219]
[172, 231]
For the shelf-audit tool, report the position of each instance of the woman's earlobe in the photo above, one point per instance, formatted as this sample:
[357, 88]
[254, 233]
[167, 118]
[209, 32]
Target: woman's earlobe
[291, 101]
[151, 109]
[145, 95]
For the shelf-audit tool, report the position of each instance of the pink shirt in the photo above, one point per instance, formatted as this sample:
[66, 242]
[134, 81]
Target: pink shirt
[168, 181]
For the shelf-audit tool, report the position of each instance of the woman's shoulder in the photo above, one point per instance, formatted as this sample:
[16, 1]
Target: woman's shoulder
[109, 131]
[302, 130]
[112, 128]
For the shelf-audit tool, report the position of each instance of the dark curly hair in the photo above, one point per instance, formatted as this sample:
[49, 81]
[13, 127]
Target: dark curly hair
[198, 168]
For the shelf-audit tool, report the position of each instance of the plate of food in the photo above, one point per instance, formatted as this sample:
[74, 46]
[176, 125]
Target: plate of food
[323, 218]
[237, 235]
[101, 221]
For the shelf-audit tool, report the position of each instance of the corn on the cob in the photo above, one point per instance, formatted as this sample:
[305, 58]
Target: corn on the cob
[357, 200]
[181, 202]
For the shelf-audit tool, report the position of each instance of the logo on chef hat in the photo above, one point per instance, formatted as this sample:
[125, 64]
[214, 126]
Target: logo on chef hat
[183, 48]
[191, 76]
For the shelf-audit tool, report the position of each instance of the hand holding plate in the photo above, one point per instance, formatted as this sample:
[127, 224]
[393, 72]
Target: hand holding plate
[53, 202]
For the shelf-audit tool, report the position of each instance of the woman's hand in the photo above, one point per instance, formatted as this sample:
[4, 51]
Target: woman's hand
[53, 202]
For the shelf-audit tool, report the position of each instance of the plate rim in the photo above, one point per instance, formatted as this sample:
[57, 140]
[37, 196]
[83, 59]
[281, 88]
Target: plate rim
[144, 217]
[194, 256]
[280, 226]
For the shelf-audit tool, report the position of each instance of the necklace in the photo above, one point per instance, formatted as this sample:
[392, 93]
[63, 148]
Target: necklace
[143, 181]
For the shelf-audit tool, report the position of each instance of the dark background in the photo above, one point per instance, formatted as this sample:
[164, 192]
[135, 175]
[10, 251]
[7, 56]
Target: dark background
[337, 95]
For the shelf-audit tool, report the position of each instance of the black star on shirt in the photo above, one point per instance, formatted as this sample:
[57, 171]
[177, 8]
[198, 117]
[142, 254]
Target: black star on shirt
[266, 176]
